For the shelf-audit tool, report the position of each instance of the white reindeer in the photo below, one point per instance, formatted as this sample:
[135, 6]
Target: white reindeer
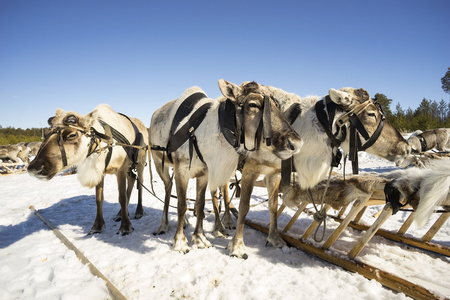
[215, 160]
[313, 162]
[86, 141]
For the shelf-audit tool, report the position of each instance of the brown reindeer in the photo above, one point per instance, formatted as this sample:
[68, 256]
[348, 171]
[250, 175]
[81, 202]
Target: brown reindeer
[86, 141]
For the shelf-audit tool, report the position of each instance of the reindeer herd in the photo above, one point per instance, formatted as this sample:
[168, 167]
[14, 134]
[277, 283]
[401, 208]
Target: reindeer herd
[252, 128]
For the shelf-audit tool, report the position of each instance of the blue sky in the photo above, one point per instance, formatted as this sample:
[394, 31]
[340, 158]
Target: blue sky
[137, 55]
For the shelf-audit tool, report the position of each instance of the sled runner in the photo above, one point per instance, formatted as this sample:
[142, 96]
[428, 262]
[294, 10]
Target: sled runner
[351, 198]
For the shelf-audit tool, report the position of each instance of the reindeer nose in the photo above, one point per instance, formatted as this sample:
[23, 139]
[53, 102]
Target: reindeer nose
[290, 145]
[294, 144]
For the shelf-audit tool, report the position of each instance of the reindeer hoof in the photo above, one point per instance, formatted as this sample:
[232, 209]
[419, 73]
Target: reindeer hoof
[125, 231]
[276, 242]
[96, 229]
[159, 233]
[237, 249]
[244, 256]
[180, 244]
[139, 214]
[200, 241]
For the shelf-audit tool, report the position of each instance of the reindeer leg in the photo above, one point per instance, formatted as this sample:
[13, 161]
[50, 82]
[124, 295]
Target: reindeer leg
[198, 238]
[125, 225]
[130, 185]
[165, 176]
[236, 245]
[227, 220]
[99, 223]
[272, 184]
[180, 242]
[140, 209]
[219, 229]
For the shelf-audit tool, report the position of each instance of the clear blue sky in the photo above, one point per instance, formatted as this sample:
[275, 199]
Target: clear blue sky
[137, 55]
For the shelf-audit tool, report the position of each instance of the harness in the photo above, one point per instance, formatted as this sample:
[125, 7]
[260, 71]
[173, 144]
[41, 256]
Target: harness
[325, 112]
[187, 131]
[423, 143]
[232, 125]
[287, 165]
[326, 118]
[111, 137]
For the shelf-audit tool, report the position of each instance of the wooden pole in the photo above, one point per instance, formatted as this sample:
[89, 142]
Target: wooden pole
[113, 291]
[387, 279]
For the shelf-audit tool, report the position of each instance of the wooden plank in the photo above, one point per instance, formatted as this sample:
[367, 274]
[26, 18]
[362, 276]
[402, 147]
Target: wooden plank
[406, 224]
[387, 279]
[362, 242]
[415, 242]
[280, 210]
[357, 206]
[313, 225]
[360, 214]
[342, 211]
[436, 226]
[294, 218]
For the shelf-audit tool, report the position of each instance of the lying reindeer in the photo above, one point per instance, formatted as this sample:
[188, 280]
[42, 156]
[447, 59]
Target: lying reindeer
[87, 143]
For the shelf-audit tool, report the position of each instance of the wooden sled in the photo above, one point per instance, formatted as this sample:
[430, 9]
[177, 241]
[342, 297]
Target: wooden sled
[373, 194]
[10, 168]
[353, 217]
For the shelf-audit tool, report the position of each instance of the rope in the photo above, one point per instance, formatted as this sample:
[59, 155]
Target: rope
[320, 216]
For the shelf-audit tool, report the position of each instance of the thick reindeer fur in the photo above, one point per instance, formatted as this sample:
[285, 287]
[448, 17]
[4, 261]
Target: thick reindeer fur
[314, 160]
[340, 192]
[91, 169]
[425, 189]
[220, 157]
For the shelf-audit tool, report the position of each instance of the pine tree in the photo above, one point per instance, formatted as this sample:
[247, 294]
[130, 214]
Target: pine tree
[446, 82]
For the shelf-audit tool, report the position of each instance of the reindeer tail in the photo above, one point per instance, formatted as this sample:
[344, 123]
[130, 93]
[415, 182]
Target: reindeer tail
[434, 191]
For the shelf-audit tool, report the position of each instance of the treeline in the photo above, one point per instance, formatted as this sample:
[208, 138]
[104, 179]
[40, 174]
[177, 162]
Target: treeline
[429, 115]
[13, 136]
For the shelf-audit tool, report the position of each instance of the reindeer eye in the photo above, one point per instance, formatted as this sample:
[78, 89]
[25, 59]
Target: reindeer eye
[72, 136]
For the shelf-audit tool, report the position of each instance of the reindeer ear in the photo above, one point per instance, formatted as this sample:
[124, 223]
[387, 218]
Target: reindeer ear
[228, 89]
[340, 97]
[50, 121]
[59, 112]
[87, 121]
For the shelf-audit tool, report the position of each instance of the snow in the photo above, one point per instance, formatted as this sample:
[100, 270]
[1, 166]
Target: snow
[35, 264]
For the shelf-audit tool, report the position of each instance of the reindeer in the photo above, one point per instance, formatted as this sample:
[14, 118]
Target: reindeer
[431, 139]
[320, 150]
[194, 143]
[24, 155]
[86, 141]
[11, 152]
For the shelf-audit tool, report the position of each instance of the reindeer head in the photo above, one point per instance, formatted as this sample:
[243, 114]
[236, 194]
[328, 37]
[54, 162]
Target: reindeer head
[259, 113]
[390, 144]
[65, 144]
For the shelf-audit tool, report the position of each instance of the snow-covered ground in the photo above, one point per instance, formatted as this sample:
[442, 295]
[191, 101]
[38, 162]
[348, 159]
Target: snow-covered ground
[34, 264]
